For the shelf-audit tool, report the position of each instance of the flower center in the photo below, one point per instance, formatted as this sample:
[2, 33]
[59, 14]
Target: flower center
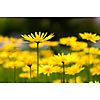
[89, 37]
[48, 69]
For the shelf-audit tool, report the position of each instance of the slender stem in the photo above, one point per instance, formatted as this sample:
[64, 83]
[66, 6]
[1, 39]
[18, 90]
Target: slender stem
[25, 80]
[30, 74]
[8, 74]
[48, 79]
[88, 77]
[14, 74]
[63, 80]
[75, 78]
[37, 61]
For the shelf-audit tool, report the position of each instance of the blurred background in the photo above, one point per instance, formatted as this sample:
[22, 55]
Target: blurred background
[60, 26]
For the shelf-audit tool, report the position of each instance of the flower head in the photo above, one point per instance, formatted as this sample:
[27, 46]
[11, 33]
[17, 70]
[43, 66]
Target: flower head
[67, 40]
[27, 68]
[78, 46]
[90, 36]
[94, 82]
[47, 69]
[78, 80]
[51, 43]
[57, 81]
[95, 70]
[41, 37]
[74, 69]
[92, 50]
[61, 57]
[27, 75]
[66, 59]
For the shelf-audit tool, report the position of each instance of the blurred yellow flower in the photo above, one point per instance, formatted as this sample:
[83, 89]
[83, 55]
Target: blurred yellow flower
[27, 75]
[92, 50]
[3, 39]
[34, 45]
[85, 59]
[27, 57]
[74, 69]
[78, 80]
[94, 82]
[48, 61]
[95, 70]
[14, 40]
[4, 54]
[57, 81]
[90, 36]
[27, 68]
[78, 46]
[13, 64]
[67, 40]
[10, 46]
[46, 53]
[51, 43]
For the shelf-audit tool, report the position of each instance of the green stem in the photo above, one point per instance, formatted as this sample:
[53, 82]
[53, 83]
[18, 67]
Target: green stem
[25, 80]
[8, 74]
[63, 80]
[38, 61]
[48, 79]
[88, 77]
[30, 74]
[75, 78]
[14, 74]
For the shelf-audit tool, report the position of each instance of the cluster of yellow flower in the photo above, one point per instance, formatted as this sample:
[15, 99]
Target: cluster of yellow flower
[67, 66]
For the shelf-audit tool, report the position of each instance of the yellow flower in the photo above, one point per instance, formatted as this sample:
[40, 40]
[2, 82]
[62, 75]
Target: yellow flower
[95, 70]
[34, 45]
[51, 43]
[67, 40]
[4, 54]
[1, 61]
[46, 61]
[90, 36]
[78, 53]
[94, 82]
[60, 58]
[47, 69]
[74, 69]
[3, 39]
[78, 80]
[78, 45]
[46, 53]
[27, 57]
[27, 75]
[13, 64]
[57, 81]
[85, 59]
[13, 40]
[41, 37]
[92, 50]
[27, 68]
[10, 46]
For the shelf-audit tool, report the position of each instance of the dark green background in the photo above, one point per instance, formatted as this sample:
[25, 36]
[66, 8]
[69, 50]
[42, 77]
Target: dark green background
[60, 26]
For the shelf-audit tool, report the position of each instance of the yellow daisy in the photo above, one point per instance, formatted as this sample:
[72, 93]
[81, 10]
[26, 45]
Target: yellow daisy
[41, 37]
[47, 69]
[90, 36]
